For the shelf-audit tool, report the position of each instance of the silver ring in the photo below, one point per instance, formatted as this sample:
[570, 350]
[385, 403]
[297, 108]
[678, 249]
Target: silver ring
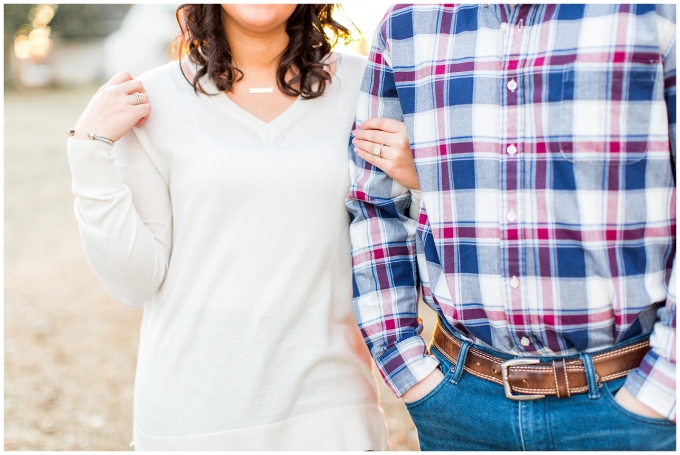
[376, 151]
[139, 98]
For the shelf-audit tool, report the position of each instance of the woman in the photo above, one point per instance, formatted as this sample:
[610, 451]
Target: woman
[223, 212]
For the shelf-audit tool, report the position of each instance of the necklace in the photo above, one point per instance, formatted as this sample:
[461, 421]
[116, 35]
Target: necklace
[261, 90]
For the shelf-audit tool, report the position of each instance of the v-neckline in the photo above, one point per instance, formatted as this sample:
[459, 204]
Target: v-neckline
[244, 111]
[266, 133]
[254, 121]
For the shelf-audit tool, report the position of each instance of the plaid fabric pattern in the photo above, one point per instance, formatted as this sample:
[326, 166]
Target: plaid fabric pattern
[547, 220]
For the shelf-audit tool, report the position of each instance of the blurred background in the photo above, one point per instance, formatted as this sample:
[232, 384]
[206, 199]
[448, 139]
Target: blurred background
[70, 350]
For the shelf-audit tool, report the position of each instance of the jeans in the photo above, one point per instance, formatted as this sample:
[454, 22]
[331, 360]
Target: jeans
[465, 412]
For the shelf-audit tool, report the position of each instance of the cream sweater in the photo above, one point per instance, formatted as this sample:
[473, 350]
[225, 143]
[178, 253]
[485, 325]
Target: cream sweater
[233, 233]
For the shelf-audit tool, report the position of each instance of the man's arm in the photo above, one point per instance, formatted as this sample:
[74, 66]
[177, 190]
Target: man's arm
[653, 383]
[383, 243]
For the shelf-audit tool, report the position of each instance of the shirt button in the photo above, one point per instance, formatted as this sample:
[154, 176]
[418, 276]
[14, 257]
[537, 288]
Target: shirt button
[512, 216]
[512, 85]
[525, 341]
[512, 149]
[514, 282]
[504, 26]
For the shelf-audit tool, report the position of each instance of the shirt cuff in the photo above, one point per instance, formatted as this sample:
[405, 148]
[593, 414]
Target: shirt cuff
[406, 364]
[653, 383]
[92, 166]
[414, 208]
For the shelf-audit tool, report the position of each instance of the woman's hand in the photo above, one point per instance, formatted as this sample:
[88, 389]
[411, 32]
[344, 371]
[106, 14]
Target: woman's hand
[395, 158]
[114, 109]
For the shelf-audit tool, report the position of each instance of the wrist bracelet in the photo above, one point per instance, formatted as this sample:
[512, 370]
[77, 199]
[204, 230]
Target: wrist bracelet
[93, 136]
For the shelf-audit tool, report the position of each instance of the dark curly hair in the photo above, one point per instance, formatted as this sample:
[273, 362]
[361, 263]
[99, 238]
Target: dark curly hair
[202, 38]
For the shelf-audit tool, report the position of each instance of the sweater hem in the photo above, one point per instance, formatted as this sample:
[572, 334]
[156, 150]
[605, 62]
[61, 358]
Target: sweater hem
[360, 427]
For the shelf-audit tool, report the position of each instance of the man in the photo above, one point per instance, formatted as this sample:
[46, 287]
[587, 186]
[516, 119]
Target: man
[544, 142]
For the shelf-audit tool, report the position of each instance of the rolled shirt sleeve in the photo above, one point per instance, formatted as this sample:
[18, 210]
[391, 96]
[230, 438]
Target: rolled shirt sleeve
[383, 244]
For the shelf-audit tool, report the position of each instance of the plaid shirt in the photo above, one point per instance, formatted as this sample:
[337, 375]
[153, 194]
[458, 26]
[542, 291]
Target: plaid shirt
[547, 220]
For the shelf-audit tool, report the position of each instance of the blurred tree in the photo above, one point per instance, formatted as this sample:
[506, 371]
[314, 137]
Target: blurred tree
[70, 23]
[15, 17]
[85, 22]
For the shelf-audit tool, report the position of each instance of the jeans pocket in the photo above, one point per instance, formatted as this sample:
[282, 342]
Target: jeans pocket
[609, 390]
[416, 404]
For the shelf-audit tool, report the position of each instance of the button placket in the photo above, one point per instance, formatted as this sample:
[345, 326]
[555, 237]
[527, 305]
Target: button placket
[512, 167]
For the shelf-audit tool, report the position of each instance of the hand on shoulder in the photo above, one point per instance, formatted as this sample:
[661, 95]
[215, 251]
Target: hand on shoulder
[117, 106]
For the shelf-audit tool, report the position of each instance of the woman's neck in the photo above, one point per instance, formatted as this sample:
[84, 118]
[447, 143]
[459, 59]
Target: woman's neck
[255, 52]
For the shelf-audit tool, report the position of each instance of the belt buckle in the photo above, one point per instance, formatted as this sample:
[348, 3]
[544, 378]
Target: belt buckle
[504, 374]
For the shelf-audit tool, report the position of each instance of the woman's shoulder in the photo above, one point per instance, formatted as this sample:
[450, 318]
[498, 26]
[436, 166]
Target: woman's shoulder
[349, 62]
[165, 78]
[349, 69]
[171, 100]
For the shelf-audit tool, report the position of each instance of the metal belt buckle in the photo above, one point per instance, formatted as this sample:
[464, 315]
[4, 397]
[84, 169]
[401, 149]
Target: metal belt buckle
[504, 374]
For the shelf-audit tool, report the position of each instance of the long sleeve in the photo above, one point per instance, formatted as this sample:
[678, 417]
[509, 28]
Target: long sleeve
[124, 212]
[383, 245]
[654, 382]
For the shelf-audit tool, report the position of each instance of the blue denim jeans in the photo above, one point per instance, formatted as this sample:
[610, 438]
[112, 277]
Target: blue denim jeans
[465, 412]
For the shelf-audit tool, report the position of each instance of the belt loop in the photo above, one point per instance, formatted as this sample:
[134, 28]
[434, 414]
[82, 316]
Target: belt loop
[591, 376]
[460, 363]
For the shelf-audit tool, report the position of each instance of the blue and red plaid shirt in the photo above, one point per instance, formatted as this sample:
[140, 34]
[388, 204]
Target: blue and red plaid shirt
[547, 221]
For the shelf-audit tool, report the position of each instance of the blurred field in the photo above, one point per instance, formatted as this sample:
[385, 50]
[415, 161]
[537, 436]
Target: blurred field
[70, 350]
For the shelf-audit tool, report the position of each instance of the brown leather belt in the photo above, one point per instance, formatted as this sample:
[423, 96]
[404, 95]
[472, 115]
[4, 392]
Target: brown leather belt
[531, 379]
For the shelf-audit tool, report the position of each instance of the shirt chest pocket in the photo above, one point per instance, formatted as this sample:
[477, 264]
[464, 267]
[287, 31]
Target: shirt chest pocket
[606, 114]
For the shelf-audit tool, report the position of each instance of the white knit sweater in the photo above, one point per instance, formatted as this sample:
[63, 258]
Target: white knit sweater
[233, 233]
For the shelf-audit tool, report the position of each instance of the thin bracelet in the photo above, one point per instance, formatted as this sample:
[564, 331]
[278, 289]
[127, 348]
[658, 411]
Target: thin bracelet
[93, 136]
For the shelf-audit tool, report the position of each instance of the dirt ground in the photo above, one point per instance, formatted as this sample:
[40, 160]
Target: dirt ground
[70, 350]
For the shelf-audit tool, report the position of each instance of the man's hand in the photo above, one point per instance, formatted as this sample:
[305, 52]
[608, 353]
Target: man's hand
[632, 404]
[424, 387]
